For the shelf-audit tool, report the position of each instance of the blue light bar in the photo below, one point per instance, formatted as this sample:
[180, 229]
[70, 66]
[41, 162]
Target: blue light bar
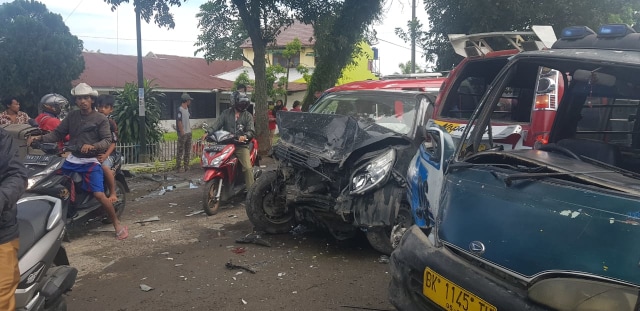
[576, 32]
[614, 30]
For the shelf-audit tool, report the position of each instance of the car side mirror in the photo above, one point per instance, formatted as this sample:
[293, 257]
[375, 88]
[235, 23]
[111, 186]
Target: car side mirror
[433, 144]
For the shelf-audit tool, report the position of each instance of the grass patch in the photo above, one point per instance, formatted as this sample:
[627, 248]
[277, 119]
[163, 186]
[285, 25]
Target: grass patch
[173, 136]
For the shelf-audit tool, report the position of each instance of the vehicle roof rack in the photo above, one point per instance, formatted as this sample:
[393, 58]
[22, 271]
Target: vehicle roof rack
[608, 37]
[476, 44]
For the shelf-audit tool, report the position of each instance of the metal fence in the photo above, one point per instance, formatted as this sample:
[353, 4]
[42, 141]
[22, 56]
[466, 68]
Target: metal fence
[160, 152]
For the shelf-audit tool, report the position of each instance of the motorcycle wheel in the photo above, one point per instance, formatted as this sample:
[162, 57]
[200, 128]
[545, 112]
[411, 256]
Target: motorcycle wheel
[209, 202]
[266, 206]
[380, 238]
[120, 204]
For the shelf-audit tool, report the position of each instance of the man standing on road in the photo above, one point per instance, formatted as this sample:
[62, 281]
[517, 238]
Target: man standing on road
[183, 127]
[13, 181]
[90, 133]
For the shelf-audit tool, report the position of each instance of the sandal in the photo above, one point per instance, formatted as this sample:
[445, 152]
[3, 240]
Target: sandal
[123, 233]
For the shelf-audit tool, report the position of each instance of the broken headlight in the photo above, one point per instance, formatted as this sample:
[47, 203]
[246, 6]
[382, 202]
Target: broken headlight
[374, 173]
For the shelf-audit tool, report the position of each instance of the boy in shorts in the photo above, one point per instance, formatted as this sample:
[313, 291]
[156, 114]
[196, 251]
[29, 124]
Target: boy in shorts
[105, 106]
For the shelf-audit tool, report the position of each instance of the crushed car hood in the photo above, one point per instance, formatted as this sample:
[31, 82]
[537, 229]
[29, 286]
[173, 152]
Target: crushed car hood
[331, 137]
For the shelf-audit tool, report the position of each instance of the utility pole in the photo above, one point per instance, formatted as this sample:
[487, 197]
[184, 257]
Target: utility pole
[413, 36]
[142, 126]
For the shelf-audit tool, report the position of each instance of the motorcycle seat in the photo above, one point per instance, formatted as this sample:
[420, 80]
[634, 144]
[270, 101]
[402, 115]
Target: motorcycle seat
[32, 222]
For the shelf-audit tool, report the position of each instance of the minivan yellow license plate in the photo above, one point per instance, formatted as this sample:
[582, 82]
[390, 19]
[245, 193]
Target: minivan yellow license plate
[450, 296]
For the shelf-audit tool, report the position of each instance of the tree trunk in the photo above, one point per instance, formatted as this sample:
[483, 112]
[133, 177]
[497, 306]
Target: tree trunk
[262, 122]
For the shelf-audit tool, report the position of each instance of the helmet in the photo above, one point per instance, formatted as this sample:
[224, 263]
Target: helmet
[52, 103]
[239, 101]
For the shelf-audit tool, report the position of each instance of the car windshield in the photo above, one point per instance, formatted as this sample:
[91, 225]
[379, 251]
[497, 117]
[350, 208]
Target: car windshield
[395, 111]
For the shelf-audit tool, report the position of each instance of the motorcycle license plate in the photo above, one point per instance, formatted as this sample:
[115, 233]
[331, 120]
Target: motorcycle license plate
[450, 296]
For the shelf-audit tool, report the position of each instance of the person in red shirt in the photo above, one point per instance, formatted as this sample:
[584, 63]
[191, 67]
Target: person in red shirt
[272, 117]
[50, 107]
[296, 106]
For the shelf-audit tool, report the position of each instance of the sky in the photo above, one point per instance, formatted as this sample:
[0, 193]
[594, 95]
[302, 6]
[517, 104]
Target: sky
[115, 32]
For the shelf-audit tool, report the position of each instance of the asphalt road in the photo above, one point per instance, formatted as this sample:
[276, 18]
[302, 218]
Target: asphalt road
[177, 262]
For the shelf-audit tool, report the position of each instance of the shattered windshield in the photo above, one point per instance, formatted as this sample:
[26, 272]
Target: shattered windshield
[394, 111]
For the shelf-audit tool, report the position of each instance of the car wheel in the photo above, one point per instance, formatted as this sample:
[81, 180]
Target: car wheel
[381, 238]
[267, 207]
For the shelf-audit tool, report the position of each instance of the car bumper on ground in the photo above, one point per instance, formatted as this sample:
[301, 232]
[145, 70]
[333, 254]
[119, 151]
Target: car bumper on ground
[416, 253]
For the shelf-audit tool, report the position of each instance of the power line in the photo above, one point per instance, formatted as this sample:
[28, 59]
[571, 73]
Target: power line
[398, 45]
[72, 11]
[133, 39]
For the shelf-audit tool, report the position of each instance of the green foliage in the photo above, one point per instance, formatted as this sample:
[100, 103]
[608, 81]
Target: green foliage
[38, 54]
[472, 16]
[158, 9]
[221, 32]
[243, 78]
[126, 113]
[405, 68]
[338, 33]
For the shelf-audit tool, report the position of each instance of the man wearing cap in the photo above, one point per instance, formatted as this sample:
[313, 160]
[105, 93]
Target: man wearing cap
[183, 126]
[89, 131]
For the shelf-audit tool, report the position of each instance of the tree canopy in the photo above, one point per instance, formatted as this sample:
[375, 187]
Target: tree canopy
[158, 9]
[262, 20]
[38, 54]
[472, 16]
[338, 32]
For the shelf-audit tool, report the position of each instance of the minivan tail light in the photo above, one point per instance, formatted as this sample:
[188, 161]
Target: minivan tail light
[546, 102]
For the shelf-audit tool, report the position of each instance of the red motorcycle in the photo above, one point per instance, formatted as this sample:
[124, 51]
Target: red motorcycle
[222, 170]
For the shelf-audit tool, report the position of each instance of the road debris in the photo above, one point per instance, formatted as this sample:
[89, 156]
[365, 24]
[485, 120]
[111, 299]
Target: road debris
[192, 186]
[195, 213]
[253, 238]
[161, 230]
[383, 259]
[150, 219]
[229, 265]
[238, 250]
[145, 288]
[244, 302]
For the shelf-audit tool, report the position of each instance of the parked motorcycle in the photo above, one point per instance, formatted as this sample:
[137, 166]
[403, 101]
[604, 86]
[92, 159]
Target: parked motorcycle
[222, 171]
[42, 173]
[44, 266]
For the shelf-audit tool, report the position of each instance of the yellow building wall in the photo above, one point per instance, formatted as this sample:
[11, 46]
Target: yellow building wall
[248, 53]
[357, 72]
[360, 70]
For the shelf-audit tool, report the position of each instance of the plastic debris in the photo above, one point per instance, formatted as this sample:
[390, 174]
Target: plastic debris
[145, 288]
[383, 259]
[244, 302]
[171, 188]
[192, 186]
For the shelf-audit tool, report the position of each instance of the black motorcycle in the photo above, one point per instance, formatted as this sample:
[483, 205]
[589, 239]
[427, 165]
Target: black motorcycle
[44, 172]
